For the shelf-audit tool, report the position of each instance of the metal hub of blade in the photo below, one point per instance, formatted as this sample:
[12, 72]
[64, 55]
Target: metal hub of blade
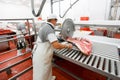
[68, 28]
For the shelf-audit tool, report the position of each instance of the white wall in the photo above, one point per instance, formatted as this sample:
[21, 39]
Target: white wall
[95, 9]
[14, 11]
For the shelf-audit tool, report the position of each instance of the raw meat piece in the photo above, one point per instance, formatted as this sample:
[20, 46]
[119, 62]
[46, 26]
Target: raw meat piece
[84, 45]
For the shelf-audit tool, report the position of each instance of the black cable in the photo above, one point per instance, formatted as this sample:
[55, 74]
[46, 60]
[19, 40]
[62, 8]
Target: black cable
[40, 9]
[67, 9]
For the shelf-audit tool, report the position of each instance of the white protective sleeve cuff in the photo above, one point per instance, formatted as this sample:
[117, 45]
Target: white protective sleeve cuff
[52, 37]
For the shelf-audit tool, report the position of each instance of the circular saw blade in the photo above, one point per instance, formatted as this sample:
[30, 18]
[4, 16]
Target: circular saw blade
[68, 28]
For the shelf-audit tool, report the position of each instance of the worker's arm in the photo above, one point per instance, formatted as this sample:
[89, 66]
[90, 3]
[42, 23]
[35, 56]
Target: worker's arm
[58, 45]
[54, 41]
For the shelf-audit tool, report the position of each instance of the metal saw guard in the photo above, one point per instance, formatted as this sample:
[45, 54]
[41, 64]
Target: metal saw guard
[68, 28]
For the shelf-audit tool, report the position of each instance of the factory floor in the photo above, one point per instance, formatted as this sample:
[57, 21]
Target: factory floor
[9, 58]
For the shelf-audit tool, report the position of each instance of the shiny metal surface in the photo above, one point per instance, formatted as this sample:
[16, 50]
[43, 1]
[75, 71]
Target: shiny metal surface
[101, 61]
[68, 28]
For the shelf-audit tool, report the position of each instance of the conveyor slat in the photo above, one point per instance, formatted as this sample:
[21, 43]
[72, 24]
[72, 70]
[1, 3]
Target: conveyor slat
[112, 67]
[83, 57]
[96, 62]
[76, 55]
[66, 52]
[59, 50]
[91, 61]
[118, 68]
[86, 60]
[101, 64]
[62, 51]
[100, 61]
[106, 65]
[71, 53]
[56, 51]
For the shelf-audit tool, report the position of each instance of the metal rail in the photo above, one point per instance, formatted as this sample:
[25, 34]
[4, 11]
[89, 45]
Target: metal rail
[9, 39]
[7, 51]
[100, 23]
[13, 58]
[6, 68]
[11, 50]
[12, 39]
[12, 35]
[16, 19]
[27, 19]
[21, 73]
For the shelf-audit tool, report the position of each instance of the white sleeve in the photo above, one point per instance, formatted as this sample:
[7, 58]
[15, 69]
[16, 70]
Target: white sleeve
[52, 37]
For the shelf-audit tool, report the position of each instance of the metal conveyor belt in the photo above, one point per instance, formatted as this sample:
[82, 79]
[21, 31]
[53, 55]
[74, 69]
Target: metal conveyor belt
[104, 59]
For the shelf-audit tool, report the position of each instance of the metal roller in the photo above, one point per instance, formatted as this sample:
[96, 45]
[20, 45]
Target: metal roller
[76, 55]
[82, 58]
[87, 59]
[98, 63]
[77, 59]
[118, 68]
[101, 64]
[91, 61]
[106, 65]
[70, 53]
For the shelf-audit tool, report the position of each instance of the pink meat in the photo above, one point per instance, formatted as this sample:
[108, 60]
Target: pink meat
[84, 45]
